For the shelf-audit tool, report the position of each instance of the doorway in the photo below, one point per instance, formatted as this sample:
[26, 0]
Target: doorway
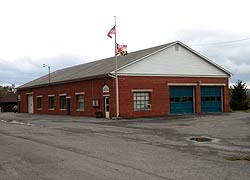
[30, 104]
[106, 105]
[68, 106]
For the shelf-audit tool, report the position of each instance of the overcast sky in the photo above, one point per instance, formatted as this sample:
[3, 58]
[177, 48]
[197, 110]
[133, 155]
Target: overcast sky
[62, 33]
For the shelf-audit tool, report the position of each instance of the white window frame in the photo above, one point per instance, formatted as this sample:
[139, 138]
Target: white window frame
[40, 108]
[147, 106]
[63, 95]
[77, 103]
[49, 96]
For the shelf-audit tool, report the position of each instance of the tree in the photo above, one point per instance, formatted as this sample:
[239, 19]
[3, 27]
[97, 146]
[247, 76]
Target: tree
[5, 89]
[239, 100]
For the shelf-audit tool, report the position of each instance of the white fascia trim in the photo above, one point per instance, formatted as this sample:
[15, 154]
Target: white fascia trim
[29, 93]
[141, 90]
[51, 95]
[135, 61]
[205, 58]
[212, 84]
[111, 75]
[79, 93]
[64, 94]
[80, 110]
[182, 84]
[173, 75]
[106, 95]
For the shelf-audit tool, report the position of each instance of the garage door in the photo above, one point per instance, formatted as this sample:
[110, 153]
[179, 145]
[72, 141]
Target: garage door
[181, 99]
[210, 99]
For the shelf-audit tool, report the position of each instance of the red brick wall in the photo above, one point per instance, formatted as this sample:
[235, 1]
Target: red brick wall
[93, 90]
[160, 93]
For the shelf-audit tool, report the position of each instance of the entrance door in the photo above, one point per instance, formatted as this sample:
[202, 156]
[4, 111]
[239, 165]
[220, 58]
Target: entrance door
[30, 104]
[106, 105]
[68, 106]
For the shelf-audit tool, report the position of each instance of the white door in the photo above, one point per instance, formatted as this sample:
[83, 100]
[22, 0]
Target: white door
[30, 104]
[106, 101]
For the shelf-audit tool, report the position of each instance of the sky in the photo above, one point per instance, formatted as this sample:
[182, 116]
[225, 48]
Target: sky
[63, 33]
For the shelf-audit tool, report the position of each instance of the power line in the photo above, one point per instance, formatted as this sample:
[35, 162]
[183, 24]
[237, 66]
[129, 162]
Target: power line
[224, 42]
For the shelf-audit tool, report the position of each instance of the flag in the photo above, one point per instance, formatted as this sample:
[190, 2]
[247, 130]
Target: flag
[123, 53]
[112, 31]
[121, 48]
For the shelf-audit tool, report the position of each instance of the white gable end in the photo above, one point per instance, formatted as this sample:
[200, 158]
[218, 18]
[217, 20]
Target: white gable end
[173, 62]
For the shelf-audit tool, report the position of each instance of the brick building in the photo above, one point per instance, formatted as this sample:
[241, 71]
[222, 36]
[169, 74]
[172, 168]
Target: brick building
[167, 79]
[8, 101]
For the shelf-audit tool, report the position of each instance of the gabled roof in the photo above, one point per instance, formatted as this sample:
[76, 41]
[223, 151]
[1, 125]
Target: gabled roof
[10, 97]
[102, 68]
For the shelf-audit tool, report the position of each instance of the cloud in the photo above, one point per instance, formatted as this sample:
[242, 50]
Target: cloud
[22, 70]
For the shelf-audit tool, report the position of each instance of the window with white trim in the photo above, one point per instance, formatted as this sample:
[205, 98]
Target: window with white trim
[39, 102]
[51, 102]
[62, 102]
[142, 100]
[80, 102]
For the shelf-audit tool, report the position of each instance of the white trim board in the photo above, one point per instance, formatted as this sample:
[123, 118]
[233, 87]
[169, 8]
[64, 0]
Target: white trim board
[212, 84]
[170, 75]
[141, 90]
[182, 84]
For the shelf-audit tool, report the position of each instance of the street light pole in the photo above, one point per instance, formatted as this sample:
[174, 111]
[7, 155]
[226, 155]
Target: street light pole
[44, 65]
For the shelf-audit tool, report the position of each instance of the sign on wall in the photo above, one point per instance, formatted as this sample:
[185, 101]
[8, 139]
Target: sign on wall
[105, 89]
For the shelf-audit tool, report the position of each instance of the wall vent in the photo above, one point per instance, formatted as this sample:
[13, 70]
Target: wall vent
[176, 47]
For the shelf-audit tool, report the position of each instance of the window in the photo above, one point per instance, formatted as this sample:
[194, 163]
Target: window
[142, 100]
[51, 102]
[80, 102]
[39, 102]
[62, 102]
[181, 99]
[210, 98]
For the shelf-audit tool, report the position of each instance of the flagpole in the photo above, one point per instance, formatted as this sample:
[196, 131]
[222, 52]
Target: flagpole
[116, 76]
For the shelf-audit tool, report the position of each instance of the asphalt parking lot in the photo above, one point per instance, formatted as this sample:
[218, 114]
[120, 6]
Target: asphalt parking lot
[43, 147]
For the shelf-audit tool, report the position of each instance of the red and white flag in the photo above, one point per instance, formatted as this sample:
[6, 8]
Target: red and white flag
[121, 48]
[112, 31]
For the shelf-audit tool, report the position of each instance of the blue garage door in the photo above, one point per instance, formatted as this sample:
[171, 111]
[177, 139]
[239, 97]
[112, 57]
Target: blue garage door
[181, 99]
[210, 99]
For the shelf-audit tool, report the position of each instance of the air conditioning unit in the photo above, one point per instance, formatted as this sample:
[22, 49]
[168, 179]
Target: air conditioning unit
[148, 106]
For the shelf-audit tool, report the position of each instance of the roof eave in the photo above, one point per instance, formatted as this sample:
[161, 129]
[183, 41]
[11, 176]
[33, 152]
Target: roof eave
[64, 82]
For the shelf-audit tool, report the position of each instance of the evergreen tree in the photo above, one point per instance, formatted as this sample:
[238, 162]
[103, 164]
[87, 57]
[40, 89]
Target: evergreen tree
[239, 99]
